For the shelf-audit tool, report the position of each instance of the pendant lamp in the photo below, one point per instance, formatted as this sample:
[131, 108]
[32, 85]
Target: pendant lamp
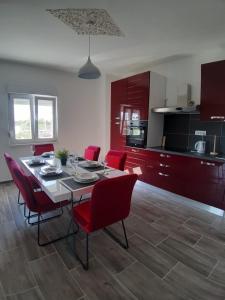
[89, 70]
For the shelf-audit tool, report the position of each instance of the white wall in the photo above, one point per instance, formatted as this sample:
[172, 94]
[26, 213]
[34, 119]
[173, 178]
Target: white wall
[82, 107]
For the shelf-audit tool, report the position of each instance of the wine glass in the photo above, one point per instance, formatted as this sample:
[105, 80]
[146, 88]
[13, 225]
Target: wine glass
[104, 164]
[74, 163]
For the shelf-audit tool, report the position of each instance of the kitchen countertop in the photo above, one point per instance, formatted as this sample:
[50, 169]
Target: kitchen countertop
[217, 158]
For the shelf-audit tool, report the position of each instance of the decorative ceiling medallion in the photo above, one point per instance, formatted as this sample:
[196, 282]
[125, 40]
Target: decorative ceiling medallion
[87, 21]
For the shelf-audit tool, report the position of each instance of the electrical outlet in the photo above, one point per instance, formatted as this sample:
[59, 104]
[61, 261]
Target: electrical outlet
[200, 132]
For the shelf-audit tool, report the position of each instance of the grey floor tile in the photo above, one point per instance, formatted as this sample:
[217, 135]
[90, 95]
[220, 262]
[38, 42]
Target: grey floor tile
[206, 229]
[186, 281]
[185, 235]
[10, 236]
[211, 247]
[168, 224]
[155, 259]
[15, 275]
[218, 273]
[98, 284]
[145, 230]
[189, 256]
[112, 255]
[53, 279]
[32, 294]
[144, 284]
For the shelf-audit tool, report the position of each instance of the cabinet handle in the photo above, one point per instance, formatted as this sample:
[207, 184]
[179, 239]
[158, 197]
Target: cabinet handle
[133, 150]
[217, 117]
[163, 165]
[162, 155]
[163, 174]
[117, 118]
[117, 123]
[208, 163]
[168, 156]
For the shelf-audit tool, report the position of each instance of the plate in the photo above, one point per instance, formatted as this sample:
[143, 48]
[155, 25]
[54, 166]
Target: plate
[47, 154]
[50, 171]
[86, 177]
[89, 164]
[36, 162]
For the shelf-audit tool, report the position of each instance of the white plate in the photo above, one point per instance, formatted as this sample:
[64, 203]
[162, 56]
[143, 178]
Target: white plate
[50, 171]
[89, 164]
[86, 177]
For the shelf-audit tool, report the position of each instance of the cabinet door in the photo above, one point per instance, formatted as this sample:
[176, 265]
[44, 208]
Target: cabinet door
[204, 182]
[213, 91]
[118, 125]
[138, 96]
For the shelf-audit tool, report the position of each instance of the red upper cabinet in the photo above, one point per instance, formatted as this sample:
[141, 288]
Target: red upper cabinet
[213, 91]
[129, 101]
[138, 95]
[118, 126]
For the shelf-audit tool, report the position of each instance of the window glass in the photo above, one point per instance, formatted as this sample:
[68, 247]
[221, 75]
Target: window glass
[22, 119]
[45, 119]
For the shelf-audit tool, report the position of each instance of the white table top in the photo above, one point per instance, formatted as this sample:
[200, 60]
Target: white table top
[54, 188]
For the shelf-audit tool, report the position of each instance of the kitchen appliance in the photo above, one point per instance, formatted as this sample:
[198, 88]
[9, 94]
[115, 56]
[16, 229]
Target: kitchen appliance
[200, 146]
[137, 134]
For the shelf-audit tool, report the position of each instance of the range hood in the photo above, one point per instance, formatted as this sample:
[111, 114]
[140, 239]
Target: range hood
[184, 104]
[176, 109]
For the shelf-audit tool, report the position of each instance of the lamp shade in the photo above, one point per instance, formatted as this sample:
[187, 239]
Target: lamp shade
[89, 71]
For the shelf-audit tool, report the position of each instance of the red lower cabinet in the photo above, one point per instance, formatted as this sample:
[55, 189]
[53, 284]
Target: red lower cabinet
[195, 178]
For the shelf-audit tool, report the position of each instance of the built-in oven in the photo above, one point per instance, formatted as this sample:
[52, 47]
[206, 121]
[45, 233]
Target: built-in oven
[137, 134]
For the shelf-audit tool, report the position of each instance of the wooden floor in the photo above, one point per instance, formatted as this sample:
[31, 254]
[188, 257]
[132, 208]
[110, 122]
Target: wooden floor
[177, 251]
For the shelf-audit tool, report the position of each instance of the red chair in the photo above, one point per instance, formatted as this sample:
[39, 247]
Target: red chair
[109, 203]
[37, 202]
[41, 148]
[92, 153]
[116, 159]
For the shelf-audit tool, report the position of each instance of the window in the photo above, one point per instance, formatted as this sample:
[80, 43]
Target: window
[33, 118]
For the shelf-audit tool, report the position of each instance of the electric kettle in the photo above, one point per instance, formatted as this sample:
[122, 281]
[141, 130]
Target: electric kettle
[200, 146]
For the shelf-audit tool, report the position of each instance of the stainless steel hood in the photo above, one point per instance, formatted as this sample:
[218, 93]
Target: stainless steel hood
[176, 109]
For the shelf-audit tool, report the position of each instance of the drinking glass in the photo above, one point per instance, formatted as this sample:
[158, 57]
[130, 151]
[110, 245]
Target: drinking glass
[104, 164]
[74, 162]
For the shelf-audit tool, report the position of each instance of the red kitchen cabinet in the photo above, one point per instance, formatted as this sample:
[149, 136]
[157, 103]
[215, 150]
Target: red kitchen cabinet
[138, 95]
[213, 91]
[118, 126]
[129, 101]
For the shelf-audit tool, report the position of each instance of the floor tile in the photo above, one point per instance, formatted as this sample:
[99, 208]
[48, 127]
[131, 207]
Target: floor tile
[144, 284]
[185, 235]
[98, 284]
[32, 294]
[211, 247]
[112, 255]
[188, 255]
[54, 280]
[218, 273]
[155, 259]
[145, 230]
[185, 281]
[15, 275]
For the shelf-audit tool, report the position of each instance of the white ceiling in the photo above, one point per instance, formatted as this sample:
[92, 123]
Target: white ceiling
[154, 30]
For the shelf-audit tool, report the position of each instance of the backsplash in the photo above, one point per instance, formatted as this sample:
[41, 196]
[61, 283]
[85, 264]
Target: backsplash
[179, 130]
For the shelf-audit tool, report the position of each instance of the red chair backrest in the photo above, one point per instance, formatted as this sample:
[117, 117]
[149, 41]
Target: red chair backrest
[116, 159]
[41, 148]
[10, 161]
[92, 152]
[24, 185]
[110, 201]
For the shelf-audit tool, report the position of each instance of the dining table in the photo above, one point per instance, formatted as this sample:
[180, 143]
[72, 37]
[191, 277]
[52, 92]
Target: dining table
[63, 186]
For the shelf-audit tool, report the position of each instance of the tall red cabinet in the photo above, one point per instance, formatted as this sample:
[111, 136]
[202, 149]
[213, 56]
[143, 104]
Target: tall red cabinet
[213, 91]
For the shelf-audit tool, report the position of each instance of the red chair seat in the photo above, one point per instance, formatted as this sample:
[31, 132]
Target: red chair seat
[45, 204]
[82, 214]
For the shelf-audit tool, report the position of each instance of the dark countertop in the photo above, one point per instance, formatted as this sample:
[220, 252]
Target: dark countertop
[217, 158]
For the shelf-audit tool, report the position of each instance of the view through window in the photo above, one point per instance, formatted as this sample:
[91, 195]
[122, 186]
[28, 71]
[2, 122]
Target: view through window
[32, 118]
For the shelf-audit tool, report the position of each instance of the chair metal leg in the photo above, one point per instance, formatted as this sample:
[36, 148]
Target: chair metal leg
[85, 264]
[43, 220]
[125, 246]
[54, 240]
[18, 199]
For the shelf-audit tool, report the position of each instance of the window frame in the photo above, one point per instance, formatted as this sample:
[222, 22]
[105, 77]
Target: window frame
[33, 98]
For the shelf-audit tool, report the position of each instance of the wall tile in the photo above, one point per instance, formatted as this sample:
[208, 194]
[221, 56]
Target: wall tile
[176, 124]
